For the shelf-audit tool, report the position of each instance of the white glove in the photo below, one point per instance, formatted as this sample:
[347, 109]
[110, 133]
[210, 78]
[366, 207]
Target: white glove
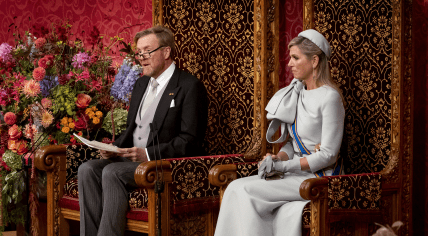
[265, 167]
[292, 165]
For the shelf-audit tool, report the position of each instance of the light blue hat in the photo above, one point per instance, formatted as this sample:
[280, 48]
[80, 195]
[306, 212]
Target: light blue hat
[318, 39]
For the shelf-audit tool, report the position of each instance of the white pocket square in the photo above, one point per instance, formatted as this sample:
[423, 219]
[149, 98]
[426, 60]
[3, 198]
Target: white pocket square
[172, 104]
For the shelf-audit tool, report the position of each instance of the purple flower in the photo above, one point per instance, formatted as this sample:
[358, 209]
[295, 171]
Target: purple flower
[6, 52]
[119, 79]
[48, 83]
[79, 59]
[128, 84]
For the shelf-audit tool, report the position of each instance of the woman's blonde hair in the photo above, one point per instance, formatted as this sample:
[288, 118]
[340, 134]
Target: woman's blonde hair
[310, 49]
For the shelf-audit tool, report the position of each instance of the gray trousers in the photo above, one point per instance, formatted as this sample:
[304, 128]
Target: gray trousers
[104, 187]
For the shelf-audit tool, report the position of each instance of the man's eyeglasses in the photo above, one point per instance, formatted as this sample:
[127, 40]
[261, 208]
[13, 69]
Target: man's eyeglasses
[147, 55]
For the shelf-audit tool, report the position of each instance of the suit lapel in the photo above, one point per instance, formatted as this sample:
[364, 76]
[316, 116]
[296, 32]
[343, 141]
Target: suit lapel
[164, 104]
[140, 89]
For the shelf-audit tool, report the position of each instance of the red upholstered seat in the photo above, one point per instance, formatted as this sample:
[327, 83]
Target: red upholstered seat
[138, 201]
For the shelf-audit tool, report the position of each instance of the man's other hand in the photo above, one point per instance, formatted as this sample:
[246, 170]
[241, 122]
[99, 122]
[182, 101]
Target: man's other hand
[134, 154]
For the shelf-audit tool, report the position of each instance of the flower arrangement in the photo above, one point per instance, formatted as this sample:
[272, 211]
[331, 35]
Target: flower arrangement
[50, 87]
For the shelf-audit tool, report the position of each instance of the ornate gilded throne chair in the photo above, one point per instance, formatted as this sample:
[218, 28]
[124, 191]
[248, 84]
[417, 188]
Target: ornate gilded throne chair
[368, 42]
[187, 193]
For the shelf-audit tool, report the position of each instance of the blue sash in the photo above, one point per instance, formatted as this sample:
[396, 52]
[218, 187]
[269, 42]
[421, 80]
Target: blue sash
[337, 167]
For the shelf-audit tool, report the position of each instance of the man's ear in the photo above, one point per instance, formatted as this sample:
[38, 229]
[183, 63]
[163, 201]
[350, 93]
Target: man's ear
[167, 53]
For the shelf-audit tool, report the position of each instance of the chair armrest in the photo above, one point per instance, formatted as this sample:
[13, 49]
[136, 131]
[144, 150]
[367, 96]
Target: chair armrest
[312, 189]
[145, 174]
[45, 158]
[222, 175]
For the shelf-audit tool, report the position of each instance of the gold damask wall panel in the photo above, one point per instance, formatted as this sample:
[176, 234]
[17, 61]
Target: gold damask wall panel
[214, 42]
[360, 34]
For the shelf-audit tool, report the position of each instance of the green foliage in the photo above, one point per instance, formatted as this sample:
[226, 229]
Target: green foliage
[65, 98]
[12, 160]
[14, 210]
[119, 116]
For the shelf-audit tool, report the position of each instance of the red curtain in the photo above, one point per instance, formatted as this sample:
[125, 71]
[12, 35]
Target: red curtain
[110, 17]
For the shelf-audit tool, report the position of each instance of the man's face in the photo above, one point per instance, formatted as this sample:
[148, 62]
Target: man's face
[155, 65]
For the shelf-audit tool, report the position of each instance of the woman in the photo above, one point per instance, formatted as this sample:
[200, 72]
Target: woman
[314, 115]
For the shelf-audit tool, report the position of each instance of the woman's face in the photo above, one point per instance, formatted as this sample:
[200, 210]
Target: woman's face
[300, 65]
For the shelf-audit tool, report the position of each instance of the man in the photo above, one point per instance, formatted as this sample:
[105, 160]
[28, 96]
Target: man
[175, 102]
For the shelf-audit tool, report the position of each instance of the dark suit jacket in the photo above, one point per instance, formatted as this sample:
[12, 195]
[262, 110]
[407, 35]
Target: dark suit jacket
[180, 129]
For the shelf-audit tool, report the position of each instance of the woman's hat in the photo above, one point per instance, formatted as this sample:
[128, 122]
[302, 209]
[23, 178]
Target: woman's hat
[318, 39]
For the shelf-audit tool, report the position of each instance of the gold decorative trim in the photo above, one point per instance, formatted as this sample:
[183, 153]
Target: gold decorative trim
[308, 11]
[272, 52]
[259, 143]
[391, 170]
[157, 12]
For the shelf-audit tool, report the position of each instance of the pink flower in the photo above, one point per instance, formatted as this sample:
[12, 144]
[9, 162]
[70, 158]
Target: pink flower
[32, 88]
[83, 100]
[6, 52]
[80, 59]
[46, 103]
[10, 118]
[14, 132]
[40, 42]
[39, 73]
[30, 131]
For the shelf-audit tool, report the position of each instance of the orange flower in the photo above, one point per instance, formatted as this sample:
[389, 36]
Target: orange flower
[98, 114]
[11, 144]
[65, 129]
[40, 42]
[96, 120]
[71, 125]
[83, 100]
[31, 88]
[14, 132]
[21, 147]
[39, 73]
[64, 121]
[47, 119]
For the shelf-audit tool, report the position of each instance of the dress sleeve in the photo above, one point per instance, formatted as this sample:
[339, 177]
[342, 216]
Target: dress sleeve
[333, 115]
[288, 148]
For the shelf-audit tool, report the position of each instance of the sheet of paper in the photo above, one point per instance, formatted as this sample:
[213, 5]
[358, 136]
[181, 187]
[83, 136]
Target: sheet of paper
[97, 145]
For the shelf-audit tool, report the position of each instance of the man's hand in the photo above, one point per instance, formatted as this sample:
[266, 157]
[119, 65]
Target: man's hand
[107, 154]
[134, 154]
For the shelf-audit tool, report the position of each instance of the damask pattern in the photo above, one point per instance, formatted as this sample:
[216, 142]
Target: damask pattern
[355, 191]
[115, 17]
[360, 34]
[77, 155]
[246, 169]
[214, 41]
[191, 189]
[290, 25]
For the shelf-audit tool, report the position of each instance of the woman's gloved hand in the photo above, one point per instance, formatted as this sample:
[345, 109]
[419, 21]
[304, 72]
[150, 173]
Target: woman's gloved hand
[265, 167]
[287, 166]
